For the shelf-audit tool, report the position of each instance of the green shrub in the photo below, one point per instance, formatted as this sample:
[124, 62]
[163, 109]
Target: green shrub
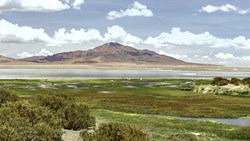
[6, 96]
[246, 81]
[220, 81]
[73, 116]
[54, 102]
[192, 137]
[235, 81]
[241, 133]
[116, 132]
[77, 117]
[183, 137]
[27, 122]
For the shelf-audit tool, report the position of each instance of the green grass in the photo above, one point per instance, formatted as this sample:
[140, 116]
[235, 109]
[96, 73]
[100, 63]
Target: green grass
[135, 101]
[162, 129]
[149, 96]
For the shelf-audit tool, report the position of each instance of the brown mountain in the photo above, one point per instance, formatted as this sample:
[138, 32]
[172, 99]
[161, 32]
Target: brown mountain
[6, 59]
[110, 53]
[32, 59]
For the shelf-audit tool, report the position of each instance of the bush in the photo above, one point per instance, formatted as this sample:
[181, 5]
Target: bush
[77, 117]
[241, 133]
[73, 116]
[235, 81]
[183, 137]
[115, 132]
[192, 137]
[220, 81]
[54, 102]
[230, 89]
[246, 81]
[6, 96]
[24, 121]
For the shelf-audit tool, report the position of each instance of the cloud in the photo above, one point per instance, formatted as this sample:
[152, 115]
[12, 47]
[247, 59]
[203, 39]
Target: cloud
[77, 36]
[39, 5]
[225, 56]
[43, 52]
[77, 4]
[114, 34]
[136, 9]
[118, 34]
[228, 56]
[178, 56]
[24, 55]
[224, 8]
[13, 33]
[176, 37]
[2, 54]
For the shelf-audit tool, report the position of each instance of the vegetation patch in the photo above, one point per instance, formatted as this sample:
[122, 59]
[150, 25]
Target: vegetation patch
[223, 86]
[73, 116]
[24, 121]
[116, 132]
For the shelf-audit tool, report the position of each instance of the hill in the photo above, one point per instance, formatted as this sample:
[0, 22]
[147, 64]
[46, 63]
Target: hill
[109, 53]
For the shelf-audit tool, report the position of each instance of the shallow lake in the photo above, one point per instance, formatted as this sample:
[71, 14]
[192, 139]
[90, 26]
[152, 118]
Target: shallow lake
[238, 121]
[98, 73]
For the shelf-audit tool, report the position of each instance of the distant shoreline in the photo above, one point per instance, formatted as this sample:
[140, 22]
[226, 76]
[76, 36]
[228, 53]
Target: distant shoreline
[124, 67]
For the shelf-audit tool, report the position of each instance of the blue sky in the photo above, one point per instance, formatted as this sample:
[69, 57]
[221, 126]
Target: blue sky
[202, 31]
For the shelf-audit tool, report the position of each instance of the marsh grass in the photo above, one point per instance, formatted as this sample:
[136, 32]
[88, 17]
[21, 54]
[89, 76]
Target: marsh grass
[158, 98]
[135, 106]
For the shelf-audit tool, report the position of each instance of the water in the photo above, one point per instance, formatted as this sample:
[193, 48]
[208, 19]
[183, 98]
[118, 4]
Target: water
[237, 122]
[98, 73]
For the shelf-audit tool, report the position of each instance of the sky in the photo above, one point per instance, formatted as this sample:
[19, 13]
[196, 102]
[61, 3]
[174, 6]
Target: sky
[200, 31]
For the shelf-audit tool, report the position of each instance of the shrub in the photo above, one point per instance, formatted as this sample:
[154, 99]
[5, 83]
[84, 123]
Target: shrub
[6, 96]
[220, 81]
[73, 116]
[183, 137]
[24, 121]
[241, 133]
[116, 132]
[192, 137]
[246, 81]
[54, 102]
[235, 81]
[77, 117]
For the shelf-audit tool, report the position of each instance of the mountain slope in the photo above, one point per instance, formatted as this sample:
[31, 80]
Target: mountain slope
[6, 59]
[110, 53]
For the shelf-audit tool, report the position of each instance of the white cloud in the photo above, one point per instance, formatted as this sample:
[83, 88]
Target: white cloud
[225, 56]
[77, 36]
[178, 56]
[224, 8]
[13, 33]
[118, 34]
[24, 55]
[39, 5]
[136, 9]
[114, 34]
[178, 38]
[228, 56]
[77, 4]
[43, 52]
[2, 54]
[205, 57]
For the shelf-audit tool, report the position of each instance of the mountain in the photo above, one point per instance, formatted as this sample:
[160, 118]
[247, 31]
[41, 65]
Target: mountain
[32, 59]
[110, 53]
[6, 59]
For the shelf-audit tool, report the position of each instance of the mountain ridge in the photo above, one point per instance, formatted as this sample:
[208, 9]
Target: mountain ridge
[109, 53]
